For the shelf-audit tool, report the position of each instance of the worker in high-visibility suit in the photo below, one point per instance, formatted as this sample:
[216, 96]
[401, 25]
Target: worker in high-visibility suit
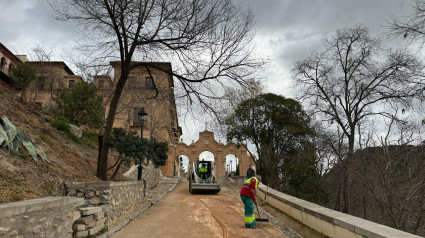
[248, 191]
[203, 172]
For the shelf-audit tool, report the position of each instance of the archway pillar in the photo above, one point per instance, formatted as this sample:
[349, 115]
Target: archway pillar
[168, 168]
[219, 164]
[193, 158]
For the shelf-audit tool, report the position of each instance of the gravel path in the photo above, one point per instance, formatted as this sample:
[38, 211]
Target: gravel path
[181, 215]
[156, 193]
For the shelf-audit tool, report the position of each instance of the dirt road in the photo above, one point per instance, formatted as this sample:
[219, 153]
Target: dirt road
[182, 215]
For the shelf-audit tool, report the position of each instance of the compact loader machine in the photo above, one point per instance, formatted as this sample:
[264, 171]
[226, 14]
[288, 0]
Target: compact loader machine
[203, 182]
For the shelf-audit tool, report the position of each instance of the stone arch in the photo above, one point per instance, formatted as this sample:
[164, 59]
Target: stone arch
[169, 169]
[11, 67]
[3, 63]
[244, 159]
[206, 142]
[201, 152]
[231, 163]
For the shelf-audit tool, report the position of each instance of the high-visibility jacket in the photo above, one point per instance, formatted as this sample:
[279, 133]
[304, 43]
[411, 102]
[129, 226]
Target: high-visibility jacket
[203, 169]
[249, 188]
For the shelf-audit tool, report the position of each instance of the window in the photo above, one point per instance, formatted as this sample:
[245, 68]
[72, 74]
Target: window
[3, 63]
[149, 82]
[11, 67]
[137, 120]
[71, 83]
[101, 83]
[131, 82]
[41, 83]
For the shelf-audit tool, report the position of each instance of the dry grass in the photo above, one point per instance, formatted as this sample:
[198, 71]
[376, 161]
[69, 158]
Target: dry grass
[22, 179]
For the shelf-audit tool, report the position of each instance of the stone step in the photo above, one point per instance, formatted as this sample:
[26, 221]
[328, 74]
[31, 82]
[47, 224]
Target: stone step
[85, 211]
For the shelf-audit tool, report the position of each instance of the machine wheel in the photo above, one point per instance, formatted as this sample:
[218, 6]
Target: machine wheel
[190, 185]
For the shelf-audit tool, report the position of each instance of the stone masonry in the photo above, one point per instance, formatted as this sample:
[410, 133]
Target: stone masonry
[87, 210]
[44, 217]
[151, 174]
[91, 222]
[117, 201]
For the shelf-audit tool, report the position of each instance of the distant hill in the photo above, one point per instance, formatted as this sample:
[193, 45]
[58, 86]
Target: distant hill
[387, 186]
[22, 179]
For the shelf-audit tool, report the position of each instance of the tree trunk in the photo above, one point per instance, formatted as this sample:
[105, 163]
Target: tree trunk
[116, 170]
[346, 192]
[364, 202]
[338, 198]
[102, 163]
[346, 189]
[99, 154]
[23, 96]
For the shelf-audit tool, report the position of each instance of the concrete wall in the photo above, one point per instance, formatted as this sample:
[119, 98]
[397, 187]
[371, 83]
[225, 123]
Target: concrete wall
[44, 217]
[327, 221]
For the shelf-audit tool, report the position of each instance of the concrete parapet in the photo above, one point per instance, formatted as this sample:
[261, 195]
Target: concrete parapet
[327, 221]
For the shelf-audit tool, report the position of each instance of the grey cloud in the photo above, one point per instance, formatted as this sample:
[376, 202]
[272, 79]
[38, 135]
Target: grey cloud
[286, 29]
[30, 22]
[293, 29]
[322, 15]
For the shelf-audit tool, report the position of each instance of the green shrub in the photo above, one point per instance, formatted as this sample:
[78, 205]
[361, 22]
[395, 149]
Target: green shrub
[91, 137]
[81, 105]
[62, 125]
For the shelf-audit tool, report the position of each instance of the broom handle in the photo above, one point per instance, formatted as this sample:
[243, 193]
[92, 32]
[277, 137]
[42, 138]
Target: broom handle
[265, 195]
[258, 211]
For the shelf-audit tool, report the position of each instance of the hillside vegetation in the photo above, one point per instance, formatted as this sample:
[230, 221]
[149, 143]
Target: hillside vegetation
[24, 178]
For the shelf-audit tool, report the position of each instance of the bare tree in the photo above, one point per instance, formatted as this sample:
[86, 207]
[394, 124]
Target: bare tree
[355, 78]
[229, 102]
[331, 149]
[412, 27]
[46, 75]
[390, 176]
[208, 38]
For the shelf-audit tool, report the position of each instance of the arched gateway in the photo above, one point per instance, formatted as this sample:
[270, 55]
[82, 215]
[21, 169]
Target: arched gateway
[206, 142]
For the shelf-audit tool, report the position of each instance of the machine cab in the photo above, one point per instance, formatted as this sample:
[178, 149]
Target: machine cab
[203, 177]
[204, 167]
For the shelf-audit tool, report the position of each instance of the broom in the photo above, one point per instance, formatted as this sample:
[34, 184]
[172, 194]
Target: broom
[259, 219]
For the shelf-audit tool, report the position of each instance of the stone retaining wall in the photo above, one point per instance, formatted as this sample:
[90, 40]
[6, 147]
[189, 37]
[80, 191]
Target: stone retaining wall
[326, 221]
[119, 201]
[90, 223]
[151, 174]
[44, 217]
[126, 201]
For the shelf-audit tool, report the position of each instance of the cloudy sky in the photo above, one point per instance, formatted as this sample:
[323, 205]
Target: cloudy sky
[286, 30]
[291, 29]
